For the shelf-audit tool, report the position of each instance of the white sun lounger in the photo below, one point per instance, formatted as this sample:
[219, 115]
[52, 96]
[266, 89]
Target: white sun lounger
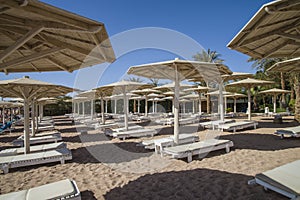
[107, 126]
[184, 138]
[197, 148]
[110, 132]
[36, 148]
[135, 133]
[237, 125]
[38, 139]
[8, 162]
[213, 124]
[44, 128]
[64, 189]
[291, 131]
[284, 180]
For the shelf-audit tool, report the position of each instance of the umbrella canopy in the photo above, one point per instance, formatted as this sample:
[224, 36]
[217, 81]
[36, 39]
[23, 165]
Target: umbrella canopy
[235, 96]
[271, 32]
[123, 87]
[171, 86]
[39, 37]
[248, 84]
[178, 70]
[292, 65]
[274, 92]
[236, 76]
[29, 89]
[199, 90]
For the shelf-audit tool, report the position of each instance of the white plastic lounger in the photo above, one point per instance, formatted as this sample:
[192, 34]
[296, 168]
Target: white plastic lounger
[237, 125]
[107, 126]
[197, 148]
[38, 140]
[135, 133]
[36, 148]
[291, 131]
[213, 124]
[284, 180]
[64, 189]
[184, 138]
[8, 162]
[110, 132]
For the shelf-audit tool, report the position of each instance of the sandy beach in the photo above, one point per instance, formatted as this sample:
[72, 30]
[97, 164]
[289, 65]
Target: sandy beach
[106, 168]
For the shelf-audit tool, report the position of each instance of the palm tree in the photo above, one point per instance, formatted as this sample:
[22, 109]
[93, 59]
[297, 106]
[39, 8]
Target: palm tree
[208, 56]
[154, 81]
[261, 65]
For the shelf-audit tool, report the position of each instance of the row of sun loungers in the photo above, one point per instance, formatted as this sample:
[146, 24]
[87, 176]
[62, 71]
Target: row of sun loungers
[64, 189]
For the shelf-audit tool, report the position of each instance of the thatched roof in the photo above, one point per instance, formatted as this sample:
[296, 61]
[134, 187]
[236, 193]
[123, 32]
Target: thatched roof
[291, 66]
[186, 70]
[272, 32]
[39, 37]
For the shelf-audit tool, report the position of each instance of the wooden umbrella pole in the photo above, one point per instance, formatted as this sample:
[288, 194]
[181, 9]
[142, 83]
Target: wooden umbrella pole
[26, 126]
[176, 107]
[249, 104]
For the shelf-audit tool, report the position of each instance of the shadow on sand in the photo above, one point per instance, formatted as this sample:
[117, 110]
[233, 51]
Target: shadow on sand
[265, 142]
[191, 184]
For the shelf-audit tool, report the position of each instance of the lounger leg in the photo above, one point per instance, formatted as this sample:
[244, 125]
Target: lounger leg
[227, 149]
[5, 168]
[190, 157]
[62, 161]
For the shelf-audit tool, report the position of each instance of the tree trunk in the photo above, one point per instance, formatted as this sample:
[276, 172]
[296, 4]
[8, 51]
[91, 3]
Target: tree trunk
[283, 100]
[208, 103]
[297, 102]
[134, 106]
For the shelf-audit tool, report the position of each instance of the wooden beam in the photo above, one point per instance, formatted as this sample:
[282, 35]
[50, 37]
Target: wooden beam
[270, 33]
[29, 58]
[289, 36]
[20, 42]
[277, 48]
[58, 64]
[80, 50]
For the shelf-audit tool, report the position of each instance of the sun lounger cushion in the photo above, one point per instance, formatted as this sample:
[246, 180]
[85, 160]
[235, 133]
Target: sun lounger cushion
[284, 179]
[15, 161]
[36, 148]
[64, 189]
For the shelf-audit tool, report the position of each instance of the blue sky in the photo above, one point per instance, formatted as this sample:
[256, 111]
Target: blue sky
[211, 24]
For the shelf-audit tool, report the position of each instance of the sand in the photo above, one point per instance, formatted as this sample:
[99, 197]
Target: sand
[106, 168]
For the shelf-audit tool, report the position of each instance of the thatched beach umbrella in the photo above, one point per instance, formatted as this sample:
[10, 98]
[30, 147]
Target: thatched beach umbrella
[248, 84]
[178, 70]
[199, 90]
[272, 32]
[146, 92]
[29, 89]
[274, 92]
[37, 37]
[235, 96]
[288, 66]
[122, 87]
